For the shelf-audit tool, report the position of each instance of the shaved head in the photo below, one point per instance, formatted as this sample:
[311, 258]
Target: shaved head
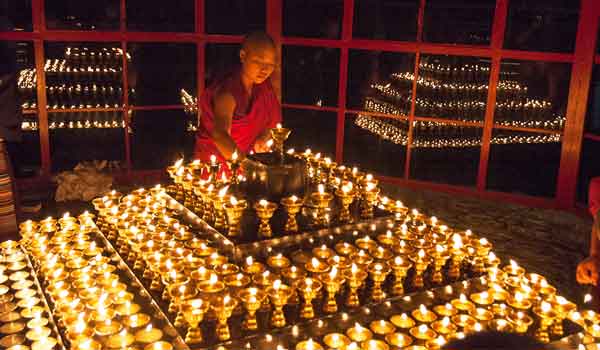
[257, 40]
[258, 56]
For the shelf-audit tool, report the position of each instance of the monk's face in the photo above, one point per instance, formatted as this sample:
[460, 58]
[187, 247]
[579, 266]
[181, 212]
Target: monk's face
[258, 63]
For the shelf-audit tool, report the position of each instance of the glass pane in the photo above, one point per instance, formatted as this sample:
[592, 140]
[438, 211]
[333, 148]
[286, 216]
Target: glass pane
[311, 129]
[310, 75]
[452, 87]
[160, 138]
[445, 153]
[589, 168]
[542, 25]
[386, 20]
[533, 94]
[313, 18]
[158, 72]
[83, 15]
[160, 16]
[592, 123]
[380, 81]
[524, 162]
[18, 16]
[18, 103]
[84, 75]
[220, 59]
[81, 136]
[234, 16]
[459, 22]
[376, 144]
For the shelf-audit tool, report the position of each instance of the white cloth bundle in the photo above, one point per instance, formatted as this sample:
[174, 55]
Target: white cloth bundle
[88, 180]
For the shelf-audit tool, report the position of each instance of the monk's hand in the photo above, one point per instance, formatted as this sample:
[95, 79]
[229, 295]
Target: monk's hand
[587, 270]
[261, 146]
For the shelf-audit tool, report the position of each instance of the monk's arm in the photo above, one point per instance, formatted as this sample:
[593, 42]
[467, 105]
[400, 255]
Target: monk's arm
[223, 107]
[594, 244]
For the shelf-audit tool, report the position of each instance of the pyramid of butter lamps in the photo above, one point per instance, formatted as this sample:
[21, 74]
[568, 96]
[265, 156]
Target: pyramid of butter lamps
[200, 188]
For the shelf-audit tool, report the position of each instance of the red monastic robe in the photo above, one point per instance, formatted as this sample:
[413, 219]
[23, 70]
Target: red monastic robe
[252, 116]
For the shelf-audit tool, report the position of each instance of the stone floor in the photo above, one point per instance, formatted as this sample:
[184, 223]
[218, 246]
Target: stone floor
[545, 241]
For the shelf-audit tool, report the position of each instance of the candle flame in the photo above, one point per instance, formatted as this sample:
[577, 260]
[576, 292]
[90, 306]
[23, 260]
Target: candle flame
[233, 200]
[321, 189]
[277, 284]
[422, 309]
[546, 307]
[263, 203]
[423, 329]
[587, 298]
[213, 279]
[446, 321]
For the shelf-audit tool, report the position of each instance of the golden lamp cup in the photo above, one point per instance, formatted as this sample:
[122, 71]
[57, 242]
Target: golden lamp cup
[420, 261]
[179, 293]
[279, 294]
[292, 205]
[223, 306]
[279, 135]
[309, 288]
[378, 272]
[193, 311]
[482, 249]
[369, 194]
[234, 209]
[440, 257]
[218, 199]
[264, 210]
[355, 276]
[321, 200]
[400, 269]
[252, 299]
[546, 315]
[346, 195]
[333, 282]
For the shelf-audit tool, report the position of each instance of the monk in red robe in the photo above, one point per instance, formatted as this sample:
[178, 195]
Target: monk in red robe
[588, 269]
[238, 110]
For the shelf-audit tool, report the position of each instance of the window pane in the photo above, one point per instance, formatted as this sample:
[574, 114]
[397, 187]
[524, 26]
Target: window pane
[220, 59]
[592, 123]
[234, 16]
[533, 94]
[589, 168]
[158, 71]
[160, 138]
[524, 162]
[311, 129]
[18, 16]
[81, 136]
[23, 142]
[310, 75]
[459, 22]
[445, 153]
[388, 20]
[313, 18]
[83, 15]
[376, 144]
[452, 87]
[380, 81]
[542, 25]
[160, 15]
[84, 75]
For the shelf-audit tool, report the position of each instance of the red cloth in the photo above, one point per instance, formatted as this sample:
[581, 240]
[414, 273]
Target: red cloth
[247, 123]
[594, 196]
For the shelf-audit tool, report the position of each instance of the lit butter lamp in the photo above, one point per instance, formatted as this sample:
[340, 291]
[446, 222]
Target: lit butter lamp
[547, 315]
[333, 282]
[457, 254]
[400, 267]
[279, 134]
[440, 257]
[279, 294]
[378, 272]
[252, 299]
[234, 209]
[194, 311]
[355, 276]
[369, 193]
[346, 194]
[420, 261]
[321, 199]
[264, 210]
[309, 288]
[292, 206]
[223, 307]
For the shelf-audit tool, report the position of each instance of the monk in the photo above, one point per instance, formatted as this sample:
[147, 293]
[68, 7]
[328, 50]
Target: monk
[238, 110]
[587, 270]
